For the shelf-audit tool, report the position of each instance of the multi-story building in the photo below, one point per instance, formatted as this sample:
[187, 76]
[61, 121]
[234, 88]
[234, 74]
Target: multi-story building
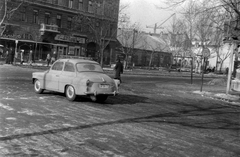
[60, 25]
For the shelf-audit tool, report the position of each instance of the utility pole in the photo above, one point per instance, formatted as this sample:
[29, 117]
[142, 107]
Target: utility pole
[134, 31]
[233, 46]
[155, 28]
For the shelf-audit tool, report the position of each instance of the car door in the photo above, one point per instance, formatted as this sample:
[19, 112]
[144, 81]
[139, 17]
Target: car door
[68, 74]
[52, 77]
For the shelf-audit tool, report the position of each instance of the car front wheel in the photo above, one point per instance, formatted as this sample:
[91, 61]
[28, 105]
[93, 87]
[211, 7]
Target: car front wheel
[70, 93]
[37, 87]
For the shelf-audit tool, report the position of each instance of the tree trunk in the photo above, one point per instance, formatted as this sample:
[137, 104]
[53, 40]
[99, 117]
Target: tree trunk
[221, 64]
[101, 56]
[150, 62]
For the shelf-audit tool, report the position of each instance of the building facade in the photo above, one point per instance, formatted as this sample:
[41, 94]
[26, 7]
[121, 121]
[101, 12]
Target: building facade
[63, 26]
[143, 49]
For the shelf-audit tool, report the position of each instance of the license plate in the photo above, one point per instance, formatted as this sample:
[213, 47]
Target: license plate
[104, 86]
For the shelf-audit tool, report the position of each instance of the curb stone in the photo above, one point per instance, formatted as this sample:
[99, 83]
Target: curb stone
[233, 99]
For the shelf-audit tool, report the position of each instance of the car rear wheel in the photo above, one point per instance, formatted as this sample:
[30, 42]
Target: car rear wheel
[99, 98]
[70, 93]
[37, 87]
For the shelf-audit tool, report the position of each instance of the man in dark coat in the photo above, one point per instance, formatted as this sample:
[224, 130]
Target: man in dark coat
[118, 70]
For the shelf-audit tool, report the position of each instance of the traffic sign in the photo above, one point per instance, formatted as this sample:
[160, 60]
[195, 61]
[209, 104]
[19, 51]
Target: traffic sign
[206, 52]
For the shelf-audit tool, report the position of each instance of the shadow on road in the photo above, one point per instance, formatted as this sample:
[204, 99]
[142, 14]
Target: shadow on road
[111, 100]
[196, 119]
[123, 99]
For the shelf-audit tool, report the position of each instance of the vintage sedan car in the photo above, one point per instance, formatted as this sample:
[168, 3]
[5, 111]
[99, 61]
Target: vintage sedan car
[76, 77]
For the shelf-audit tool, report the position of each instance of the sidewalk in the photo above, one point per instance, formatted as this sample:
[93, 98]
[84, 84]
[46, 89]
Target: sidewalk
[108, 69]
[233, 97]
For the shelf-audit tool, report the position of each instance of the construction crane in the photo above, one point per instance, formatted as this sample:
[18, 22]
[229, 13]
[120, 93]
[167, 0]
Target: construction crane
[159, 26]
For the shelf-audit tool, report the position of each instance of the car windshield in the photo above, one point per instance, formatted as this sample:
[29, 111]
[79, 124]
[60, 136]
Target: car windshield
[91, 67]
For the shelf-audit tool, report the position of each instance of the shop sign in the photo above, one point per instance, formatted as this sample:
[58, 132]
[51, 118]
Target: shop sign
[18, 36]
[72, 39]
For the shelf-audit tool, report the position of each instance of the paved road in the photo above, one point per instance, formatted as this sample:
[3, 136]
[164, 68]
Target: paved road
[154, 116]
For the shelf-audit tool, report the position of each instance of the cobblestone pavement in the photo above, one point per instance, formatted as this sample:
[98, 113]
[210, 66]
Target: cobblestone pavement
[147, 119]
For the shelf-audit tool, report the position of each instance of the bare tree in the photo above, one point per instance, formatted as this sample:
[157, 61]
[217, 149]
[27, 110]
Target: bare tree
[129, 36]
[154, 46]
[7, 10]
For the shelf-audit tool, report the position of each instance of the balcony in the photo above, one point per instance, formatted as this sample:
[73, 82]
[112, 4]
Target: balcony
[48, 28]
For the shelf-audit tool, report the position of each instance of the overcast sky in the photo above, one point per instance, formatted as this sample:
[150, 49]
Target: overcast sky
[146, 13]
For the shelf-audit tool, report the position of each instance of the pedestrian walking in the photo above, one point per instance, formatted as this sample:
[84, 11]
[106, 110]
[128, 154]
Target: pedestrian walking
[48, 59]
[21, 56]
[7, 56]
[10, 55]
[54, 57]
[30, 57]
[118, 70]
[1, 51]
[13, 54]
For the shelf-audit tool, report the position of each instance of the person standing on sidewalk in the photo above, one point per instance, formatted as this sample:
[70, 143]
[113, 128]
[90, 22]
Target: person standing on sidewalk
[48, 59]
[7, 56]
[118, 70]
[54, 57]
[10, 55]
[21, 56]
[30, 57]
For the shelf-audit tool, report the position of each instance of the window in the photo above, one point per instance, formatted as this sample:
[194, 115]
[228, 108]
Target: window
[80, 5]
[23, 13]
[47, 18]
[70, 3]
[90, 6]
[111, 30]
[89, 67]
[35, 16]
[99, 8]
[59, 20]
[69, 22]
[58, 66]
[69, 67]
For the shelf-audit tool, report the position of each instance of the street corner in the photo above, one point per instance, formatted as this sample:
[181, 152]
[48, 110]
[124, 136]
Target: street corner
[228, 97]
[203, 93]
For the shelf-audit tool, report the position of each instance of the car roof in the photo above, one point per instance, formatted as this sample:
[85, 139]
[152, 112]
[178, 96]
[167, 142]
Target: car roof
[77, 60]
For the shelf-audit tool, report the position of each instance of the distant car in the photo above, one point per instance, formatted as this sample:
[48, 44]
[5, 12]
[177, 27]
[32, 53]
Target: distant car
[76, 77]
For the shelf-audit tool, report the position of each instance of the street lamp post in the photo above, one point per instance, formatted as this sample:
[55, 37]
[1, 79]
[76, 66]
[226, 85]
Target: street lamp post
[233, 45]
[134, 31]
[16, 44]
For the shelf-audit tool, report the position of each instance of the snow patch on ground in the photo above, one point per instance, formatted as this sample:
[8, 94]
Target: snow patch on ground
[28, 112]
[165, 94]
[10, 118]
[24, 98]
[201, 92]
[6, 107]
[7, 98]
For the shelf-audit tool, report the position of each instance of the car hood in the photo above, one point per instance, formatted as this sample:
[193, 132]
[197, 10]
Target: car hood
[95, 77]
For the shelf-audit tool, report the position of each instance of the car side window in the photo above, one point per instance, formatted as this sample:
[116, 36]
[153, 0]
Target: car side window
[69, 67]
[58, 66]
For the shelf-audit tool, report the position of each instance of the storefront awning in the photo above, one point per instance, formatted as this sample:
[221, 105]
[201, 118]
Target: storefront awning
[36, 42]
